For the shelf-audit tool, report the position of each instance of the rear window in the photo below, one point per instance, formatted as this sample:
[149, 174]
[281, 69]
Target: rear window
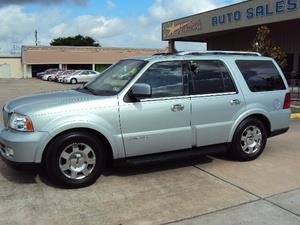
[261, 75]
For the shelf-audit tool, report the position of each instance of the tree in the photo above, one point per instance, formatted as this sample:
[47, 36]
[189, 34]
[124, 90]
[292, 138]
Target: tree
[77, 40]
[263, 44]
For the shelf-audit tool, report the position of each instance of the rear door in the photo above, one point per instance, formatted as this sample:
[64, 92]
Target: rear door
[216, 102]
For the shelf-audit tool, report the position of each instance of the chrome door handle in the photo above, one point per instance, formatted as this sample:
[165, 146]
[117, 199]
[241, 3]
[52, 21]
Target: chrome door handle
[235, 102]
[177, 107]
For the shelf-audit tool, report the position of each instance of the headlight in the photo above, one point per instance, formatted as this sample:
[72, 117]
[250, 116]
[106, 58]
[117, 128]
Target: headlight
[20, 123]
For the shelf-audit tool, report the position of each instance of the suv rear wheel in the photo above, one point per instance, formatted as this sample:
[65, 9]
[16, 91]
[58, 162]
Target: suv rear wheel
[249, 140]
[75, 159]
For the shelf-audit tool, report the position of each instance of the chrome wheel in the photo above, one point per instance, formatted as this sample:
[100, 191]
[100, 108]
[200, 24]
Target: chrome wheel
[77, 161]
[251, 140]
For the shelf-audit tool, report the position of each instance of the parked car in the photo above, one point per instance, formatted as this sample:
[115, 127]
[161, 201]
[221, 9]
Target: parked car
[50, 75]
[55, 77]
[60, 78]
[195, 101]
[82, 76]
[48, 71]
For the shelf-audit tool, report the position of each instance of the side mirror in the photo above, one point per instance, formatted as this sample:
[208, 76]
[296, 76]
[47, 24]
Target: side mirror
[140, 90]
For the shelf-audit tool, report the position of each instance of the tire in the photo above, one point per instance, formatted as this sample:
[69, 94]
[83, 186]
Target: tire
[249, 140]
[48, 79]
[73, 81]
[75, 159]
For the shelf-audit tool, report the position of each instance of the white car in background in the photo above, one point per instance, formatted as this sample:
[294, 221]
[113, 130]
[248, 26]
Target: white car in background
[48, 76]
[82, 76]
[59, 77]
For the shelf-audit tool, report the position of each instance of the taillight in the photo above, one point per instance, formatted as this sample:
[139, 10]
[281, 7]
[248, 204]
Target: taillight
[287, 101]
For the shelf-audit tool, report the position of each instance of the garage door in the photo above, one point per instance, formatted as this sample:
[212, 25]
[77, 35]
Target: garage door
[5, 70]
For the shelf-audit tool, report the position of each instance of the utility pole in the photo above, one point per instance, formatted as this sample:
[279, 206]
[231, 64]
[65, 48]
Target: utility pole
[36, 37]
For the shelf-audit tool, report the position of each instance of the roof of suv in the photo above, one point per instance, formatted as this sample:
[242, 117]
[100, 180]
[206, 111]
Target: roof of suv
[201, 55]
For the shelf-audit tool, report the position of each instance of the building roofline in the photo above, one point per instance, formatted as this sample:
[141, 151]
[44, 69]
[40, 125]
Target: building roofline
[9, 56]
[89, 47]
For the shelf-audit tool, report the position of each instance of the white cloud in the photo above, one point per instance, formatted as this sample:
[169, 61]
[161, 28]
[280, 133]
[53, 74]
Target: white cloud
[143, 30]
[44, 2]
[19, 26]
[94, 26]
[110, 4]
[163, 10]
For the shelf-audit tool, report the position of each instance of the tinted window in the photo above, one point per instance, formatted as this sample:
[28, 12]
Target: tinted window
[260, 75]
[210, 76]
[165, 78]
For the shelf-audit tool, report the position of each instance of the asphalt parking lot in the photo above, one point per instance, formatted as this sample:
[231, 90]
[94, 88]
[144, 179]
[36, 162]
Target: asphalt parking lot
[204, 190]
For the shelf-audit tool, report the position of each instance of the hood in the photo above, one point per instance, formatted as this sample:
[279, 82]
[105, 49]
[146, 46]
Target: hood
[59, 100]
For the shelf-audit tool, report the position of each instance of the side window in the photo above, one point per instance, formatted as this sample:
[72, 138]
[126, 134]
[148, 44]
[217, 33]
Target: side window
[165, 78]
[210, 76]
[260, 75]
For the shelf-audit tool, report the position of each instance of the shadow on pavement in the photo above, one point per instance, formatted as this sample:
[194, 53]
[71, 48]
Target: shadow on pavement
[29, 174]
[129, 169]
[23, 174]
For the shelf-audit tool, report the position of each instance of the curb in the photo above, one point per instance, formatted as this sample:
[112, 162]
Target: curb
[295, 116]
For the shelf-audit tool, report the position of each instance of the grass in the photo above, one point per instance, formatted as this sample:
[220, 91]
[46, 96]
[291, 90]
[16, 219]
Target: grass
[295, 110]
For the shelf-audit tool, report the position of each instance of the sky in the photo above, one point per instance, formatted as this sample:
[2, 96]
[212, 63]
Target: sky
[112, 23]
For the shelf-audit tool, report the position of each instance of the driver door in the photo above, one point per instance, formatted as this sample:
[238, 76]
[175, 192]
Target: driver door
[160, 123]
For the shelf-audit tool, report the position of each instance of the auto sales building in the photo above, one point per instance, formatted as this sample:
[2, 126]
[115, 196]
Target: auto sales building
[234, 28]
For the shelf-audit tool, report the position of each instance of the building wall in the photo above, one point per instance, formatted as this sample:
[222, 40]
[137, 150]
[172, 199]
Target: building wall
[80, 55]
[10, 67]
[284, 34]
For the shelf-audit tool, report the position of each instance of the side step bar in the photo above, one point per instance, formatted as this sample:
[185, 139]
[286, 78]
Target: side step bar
[175, 155]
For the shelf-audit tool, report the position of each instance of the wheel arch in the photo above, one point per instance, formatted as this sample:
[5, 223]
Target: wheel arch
[263, 117]
[108, 148]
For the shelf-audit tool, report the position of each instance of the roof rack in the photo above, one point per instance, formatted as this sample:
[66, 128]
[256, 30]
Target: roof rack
[163, 54]
[218, 53]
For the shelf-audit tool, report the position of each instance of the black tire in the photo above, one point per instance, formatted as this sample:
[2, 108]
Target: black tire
[53, 159]
[236, 150]
[48, 79]
[73, 81]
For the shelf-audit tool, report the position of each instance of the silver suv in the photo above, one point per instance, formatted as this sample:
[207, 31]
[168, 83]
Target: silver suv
[197, 101]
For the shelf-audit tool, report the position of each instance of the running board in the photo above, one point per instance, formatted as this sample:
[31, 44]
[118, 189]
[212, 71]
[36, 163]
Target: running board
[175, 155]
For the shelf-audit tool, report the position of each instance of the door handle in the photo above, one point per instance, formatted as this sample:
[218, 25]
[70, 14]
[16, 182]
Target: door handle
[235, 102]
[177, 107]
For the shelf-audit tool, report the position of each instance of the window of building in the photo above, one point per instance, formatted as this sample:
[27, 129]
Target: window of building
[260, 75]
[165, 78]
[211, 76]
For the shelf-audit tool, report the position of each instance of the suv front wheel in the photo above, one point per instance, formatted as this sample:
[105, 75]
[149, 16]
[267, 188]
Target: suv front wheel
[249, 140]
[75, 159]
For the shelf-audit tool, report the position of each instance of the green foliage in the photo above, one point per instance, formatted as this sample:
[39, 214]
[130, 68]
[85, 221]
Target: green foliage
[101, 67]
[77, 40]
[263, 44]
[295, 110]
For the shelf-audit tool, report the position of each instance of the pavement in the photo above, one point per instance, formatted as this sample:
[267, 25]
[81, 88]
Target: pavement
[209, 190]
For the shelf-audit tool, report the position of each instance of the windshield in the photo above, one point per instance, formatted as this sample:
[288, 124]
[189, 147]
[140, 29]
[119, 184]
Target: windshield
[116, 77]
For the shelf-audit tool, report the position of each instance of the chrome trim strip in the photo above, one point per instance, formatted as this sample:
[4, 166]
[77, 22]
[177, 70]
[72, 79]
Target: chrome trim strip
[164, 98]
[214, 94]
[187, 96]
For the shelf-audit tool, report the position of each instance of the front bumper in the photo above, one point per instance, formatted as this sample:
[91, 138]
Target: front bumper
[22, 147]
